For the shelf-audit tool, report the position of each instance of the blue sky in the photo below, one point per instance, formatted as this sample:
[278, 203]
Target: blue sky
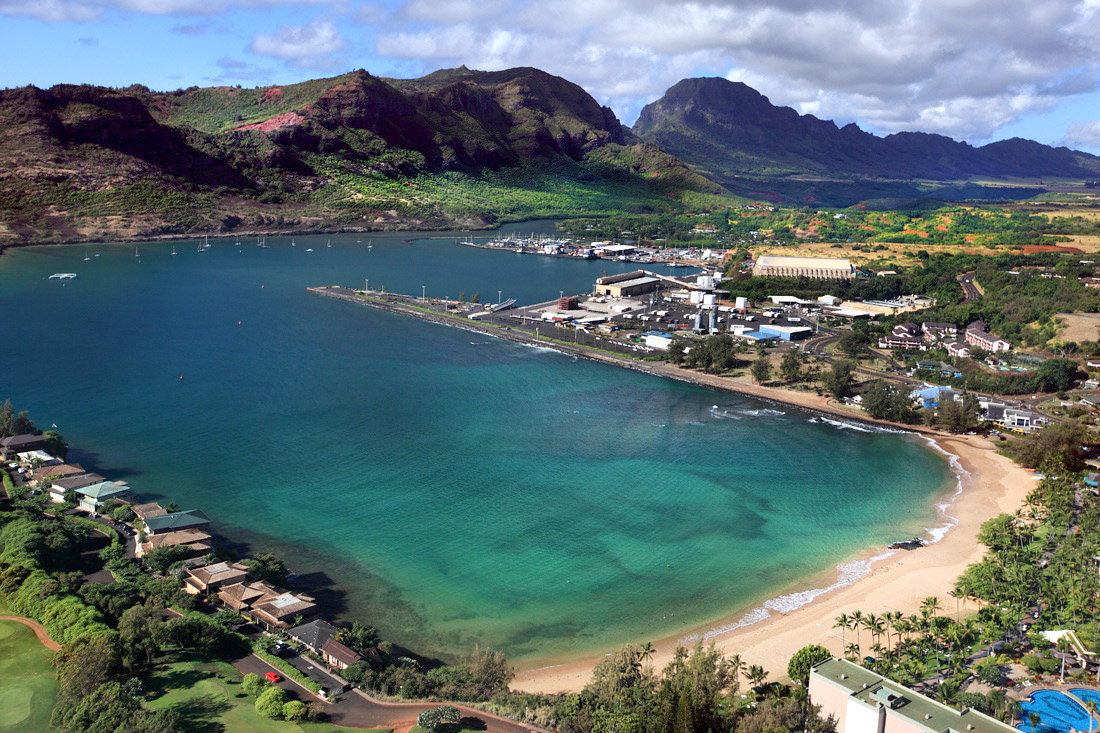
[975, 70]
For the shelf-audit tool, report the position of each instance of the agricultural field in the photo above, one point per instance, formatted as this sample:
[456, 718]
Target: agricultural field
[28, 688]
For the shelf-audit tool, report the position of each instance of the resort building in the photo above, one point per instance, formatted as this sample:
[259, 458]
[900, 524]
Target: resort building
[282, 610]
[16, 444]
[338, 655]
[57, 471]
[210, 578]
[62, 486]
[817, 268]
[175, 521]
[270, 607]
[314, 634]
[194, 541]
[144, 511]
[864, 702]
[627, 284]
[977, 334]
[958, 349]
[936, 332]
[903, 336]
[37, 457]
[93, 497]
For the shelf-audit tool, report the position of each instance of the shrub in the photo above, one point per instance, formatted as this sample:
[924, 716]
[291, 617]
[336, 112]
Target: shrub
[253, 684]
[294, 710]
[270, 703]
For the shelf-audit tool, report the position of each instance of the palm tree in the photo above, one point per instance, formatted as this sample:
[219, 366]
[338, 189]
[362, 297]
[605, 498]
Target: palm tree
[757, 675]
[857, 620]
[1092, 707]
[929, 606]
[738, 666]
[647, 652]
[1014, 708]
[1034, 719]
[842, 622]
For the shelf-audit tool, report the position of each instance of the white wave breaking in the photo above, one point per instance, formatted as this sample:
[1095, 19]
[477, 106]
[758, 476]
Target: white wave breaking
[740, 413]
[847, 573]
[851, 571]
[936, 534]
[858, 426]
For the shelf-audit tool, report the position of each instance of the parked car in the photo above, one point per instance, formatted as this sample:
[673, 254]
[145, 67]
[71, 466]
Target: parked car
[273, 677]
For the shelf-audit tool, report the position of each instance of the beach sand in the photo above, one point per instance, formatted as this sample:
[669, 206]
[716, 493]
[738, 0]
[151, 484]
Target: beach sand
[992, 485]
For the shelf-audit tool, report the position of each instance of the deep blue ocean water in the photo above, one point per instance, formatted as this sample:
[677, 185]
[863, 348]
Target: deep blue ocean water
[456, 488]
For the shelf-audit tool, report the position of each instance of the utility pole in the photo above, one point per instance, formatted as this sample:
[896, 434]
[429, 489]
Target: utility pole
[498, 296]
[423, 292]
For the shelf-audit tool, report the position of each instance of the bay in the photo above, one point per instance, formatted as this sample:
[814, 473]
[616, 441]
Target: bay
[454, 488]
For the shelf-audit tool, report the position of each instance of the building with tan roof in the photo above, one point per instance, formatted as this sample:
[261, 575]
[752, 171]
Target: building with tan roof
[195, 540]
[209, 578]
[283, 610]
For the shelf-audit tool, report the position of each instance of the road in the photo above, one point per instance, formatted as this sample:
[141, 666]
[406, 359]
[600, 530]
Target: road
[357, 709]
[970, 290]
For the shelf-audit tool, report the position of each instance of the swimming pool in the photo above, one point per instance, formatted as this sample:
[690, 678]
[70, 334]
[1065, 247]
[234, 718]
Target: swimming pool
[1058, 713]
[1087, 695]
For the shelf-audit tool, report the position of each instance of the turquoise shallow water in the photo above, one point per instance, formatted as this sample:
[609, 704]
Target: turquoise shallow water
[455, 487]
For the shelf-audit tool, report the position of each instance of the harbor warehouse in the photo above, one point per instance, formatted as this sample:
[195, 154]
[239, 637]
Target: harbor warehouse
[818, 268]
[626, 284]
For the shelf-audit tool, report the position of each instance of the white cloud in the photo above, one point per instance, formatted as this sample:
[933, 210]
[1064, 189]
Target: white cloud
[1085, 135]
[89, 10]
[454, 11]
[959, 67]
[310, 46]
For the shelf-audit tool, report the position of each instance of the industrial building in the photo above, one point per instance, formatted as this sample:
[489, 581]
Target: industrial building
[817, 268]
[862, 701]
[787, 333]
[658, 340]
[627, 284]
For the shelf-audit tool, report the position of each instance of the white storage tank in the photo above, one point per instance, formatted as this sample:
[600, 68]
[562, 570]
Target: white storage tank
[741, 303]
[696, 296]
[709, 299]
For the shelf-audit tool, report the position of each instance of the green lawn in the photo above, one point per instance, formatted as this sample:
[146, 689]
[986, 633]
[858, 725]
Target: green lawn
[28, 689]
[208, 695]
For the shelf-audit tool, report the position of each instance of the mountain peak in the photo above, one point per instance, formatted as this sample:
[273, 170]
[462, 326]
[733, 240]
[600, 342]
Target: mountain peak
[728, 129]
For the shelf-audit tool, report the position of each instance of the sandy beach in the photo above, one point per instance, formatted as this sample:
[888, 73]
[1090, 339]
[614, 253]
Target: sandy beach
[993, 484]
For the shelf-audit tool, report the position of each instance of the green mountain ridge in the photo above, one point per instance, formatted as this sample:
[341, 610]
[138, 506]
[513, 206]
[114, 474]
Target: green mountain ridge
[455, 148]
[736, 136]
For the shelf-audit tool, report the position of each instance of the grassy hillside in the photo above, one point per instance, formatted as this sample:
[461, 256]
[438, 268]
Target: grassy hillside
[217, 109]
[459, 148]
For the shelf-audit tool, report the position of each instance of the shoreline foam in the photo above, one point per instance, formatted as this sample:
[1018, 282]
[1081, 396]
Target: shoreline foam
[991, 484]
[849, 571]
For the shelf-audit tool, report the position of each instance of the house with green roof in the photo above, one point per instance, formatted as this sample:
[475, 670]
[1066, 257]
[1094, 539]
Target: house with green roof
[95, 496]
[175, 521]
